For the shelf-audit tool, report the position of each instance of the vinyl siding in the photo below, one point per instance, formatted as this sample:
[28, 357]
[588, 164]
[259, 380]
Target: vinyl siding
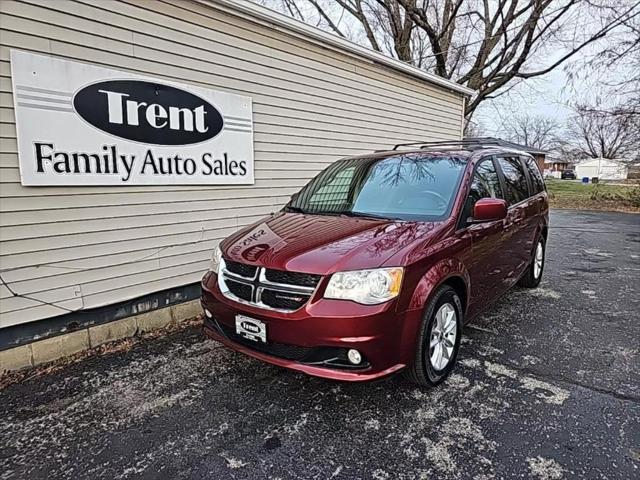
[71, 248]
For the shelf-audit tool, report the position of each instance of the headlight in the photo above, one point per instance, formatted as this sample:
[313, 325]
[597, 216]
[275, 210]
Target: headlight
[365, 286]
[216, 259]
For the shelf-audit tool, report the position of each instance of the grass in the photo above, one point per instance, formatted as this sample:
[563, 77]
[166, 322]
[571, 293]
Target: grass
[602, 196]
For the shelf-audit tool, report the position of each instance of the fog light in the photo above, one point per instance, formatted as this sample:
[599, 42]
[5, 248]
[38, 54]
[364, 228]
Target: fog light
[354, 356]
[208, 313]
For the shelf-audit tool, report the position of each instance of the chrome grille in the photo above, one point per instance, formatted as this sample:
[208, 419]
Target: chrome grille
[266, 288]
[241, 268]
[239, 289]
[295, 278]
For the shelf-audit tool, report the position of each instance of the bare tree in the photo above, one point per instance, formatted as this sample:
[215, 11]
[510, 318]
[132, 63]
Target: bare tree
[474, 129]
[385, 25]
[603, 134]
[622, 56]
[535, 131]
[489, 46]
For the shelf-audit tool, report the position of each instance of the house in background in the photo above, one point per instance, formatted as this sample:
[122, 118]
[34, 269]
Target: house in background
[603, 169]
[539, 155]
[553, 167]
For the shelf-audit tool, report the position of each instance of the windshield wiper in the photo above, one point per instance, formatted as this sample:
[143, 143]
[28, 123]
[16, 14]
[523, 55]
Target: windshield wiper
[291, 208]
[309, 212]
[347, 213]
[351, 213]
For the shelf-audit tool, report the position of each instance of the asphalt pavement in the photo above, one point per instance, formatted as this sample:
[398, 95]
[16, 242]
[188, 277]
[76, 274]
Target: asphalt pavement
[547, 387]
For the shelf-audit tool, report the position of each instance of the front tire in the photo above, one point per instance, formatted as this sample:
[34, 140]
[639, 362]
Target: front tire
[533, 276]
[439, 339]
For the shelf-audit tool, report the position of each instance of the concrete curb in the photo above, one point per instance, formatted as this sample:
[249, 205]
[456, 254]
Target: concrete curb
[54, 348]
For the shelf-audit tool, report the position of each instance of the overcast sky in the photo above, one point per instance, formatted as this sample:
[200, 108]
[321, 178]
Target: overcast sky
[548, 96]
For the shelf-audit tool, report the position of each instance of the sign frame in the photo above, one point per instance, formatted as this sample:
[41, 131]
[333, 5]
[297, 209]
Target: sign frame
[137, 130]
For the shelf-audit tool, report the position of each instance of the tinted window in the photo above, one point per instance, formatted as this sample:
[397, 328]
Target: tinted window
[514, 176]
[335, 192]
[485, 184]
[405, 186]
[535, 175]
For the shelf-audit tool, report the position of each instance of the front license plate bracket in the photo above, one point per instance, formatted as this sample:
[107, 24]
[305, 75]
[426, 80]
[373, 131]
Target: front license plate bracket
[251, 328]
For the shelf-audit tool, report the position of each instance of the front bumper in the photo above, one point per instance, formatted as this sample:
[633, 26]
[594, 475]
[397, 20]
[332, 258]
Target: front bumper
[376, 331]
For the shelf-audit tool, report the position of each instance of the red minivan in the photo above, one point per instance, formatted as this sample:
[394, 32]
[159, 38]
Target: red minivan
[377, 263]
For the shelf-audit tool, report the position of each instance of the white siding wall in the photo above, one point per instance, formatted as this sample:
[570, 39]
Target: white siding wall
[83, 247]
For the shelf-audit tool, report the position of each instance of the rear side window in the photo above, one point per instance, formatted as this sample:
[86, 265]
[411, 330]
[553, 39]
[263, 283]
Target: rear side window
[515, 179]
[534, 172]
[485, 184]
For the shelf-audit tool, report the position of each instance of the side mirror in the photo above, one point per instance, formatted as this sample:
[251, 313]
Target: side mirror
[489, 209]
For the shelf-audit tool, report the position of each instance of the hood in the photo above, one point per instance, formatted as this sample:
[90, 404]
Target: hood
[321, 244]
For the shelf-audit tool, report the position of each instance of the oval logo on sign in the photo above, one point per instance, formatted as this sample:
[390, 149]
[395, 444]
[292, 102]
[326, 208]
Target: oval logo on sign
[250, 327]
[148, 112]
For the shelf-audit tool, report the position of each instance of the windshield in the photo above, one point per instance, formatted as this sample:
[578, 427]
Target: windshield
[411, 186]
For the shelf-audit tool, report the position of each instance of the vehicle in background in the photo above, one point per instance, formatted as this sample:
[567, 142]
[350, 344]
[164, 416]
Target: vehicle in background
[377, 263]
[568, 175]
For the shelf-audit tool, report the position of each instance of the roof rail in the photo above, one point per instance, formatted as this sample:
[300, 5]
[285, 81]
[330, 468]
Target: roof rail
[469, 142]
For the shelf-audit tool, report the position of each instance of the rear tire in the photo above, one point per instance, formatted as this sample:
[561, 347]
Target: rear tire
[533, 276]
[437, 347]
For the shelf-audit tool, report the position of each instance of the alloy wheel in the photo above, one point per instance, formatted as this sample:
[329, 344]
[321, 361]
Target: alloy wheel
[538, 261]
[442, 340]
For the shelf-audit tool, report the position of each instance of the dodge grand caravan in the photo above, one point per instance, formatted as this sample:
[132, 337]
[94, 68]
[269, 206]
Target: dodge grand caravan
[377, 263]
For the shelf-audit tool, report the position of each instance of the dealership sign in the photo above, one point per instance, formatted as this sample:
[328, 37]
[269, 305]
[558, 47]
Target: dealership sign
[80, 124]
